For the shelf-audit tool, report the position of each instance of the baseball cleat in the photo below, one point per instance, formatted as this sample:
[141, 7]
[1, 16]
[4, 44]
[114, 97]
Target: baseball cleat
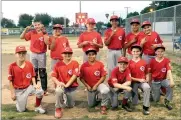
[40, 110]
[127, 108]
[58, 113]
[167, 105]
[103, 110]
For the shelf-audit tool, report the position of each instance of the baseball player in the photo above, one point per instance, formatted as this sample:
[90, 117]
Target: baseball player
[140, 77]
[92, 75]
[114, 40]
[149, 42]
[160, 68]
[57, 44]
[38, 48]
[64, 75]
[119, 81]
[132, 37]
[21, 74]
[90, 38]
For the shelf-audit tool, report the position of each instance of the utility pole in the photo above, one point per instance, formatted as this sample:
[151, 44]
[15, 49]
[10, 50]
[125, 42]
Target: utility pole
[80, 6]
[113, 12]
[126, 11]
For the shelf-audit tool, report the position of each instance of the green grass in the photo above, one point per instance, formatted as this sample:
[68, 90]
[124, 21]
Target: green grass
[177, 69]
[9, 112]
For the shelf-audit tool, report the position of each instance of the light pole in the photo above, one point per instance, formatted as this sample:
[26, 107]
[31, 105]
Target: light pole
[107, 16]
[126, 11]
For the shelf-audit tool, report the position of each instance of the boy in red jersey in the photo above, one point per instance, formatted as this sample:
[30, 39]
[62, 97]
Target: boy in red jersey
[92, 75]
[160, 68]
[132, 37]
[64, 75]
[140, 77]
[21, 75]
[149, 41]
[90, 38]
[38, 48]
[57, 44]
[114, 40]
[119, 81]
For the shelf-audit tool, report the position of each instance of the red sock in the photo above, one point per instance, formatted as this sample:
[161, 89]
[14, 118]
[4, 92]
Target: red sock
[38, 101]
[163, 89]
[124, 101]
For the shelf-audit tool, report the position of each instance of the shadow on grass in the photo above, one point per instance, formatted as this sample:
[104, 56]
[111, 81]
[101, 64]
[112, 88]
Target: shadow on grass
[9, 112]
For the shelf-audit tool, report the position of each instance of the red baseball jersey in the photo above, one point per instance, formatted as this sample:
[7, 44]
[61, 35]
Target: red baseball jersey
[119, 77]
[159, 69]
[92, 73]
[117, 40]
[90, 36]
[37, 44]
[130, 37]
[154, 38]
[21, 77]
[138, 69]
[63, 72]
[60, 43]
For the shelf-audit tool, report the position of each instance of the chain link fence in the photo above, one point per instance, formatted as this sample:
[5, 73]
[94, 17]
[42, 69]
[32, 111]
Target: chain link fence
[167, 22]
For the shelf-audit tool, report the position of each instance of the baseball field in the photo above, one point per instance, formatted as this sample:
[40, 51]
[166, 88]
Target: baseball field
[81, 110]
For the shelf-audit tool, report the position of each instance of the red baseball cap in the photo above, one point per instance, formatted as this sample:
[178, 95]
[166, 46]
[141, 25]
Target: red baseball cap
[136, 46]
[91, 21]
[135, 21]
[67, 50]
[91, 49]
[57, 26]
[114, 17]
[145, 23]
[122, 59]
[20, 48]
[160, 46]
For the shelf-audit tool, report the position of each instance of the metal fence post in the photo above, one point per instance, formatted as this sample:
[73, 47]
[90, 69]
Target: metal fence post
[154, 20]
[174, 26]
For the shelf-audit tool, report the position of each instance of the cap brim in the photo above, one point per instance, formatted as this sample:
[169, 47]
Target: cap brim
[159, 48]
[21, 51]
[122, 62]
[139, 47]
[114, 19]
[87, 52]
[145, 25]
[57, 27]
[67, 52]
[134, 22]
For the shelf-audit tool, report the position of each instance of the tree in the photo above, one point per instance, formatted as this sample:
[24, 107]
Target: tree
[60, 20]
[7, 23]
[131, 14]
[99, 25]
[156, 5]
[44, 18]
[25, 20]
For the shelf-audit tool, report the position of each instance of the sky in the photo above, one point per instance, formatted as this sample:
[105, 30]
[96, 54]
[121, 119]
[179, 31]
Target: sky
[95, 9]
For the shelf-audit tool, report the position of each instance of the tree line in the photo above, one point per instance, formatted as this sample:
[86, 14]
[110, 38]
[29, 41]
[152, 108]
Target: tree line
[26, 19]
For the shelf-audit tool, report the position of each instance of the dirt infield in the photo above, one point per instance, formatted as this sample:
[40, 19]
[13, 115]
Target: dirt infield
[80, 110]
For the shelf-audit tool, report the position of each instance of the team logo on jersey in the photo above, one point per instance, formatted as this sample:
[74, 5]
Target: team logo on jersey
[64, 45]
[28, 75]
[76, 70]
[41, 38]
[97, 73]
[70, 72]
[120, 37]
[163, 69]
[142, 68]
[156, 40]
[95, 40]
